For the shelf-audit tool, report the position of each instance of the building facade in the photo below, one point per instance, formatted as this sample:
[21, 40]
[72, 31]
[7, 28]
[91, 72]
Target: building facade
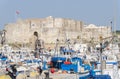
[94, 33]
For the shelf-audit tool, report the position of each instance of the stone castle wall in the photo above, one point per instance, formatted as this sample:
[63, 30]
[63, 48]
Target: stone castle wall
[49, 29]
[92, 32]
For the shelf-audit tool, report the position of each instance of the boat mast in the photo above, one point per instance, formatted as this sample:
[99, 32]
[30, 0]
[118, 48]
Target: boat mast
[115, 13]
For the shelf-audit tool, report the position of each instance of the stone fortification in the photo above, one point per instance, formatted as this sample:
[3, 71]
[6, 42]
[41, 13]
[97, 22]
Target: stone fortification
[49, 29]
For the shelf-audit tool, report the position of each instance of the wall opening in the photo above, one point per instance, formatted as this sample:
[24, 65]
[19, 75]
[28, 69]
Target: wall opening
[35, 34]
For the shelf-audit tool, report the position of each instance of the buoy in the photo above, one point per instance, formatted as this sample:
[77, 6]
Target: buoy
[108, 48]
[52, 70]
[64, 72]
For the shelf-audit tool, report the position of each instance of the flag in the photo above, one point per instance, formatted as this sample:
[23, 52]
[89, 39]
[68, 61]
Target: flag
[17, 12]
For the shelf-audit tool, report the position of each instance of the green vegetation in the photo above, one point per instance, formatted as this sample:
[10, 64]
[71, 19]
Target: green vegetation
[118, 32]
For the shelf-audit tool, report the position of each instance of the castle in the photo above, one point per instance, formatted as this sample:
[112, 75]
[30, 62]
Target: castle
[49, 29]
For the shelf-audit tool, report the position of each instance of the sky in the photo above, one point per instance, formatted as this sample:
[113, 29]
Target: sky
[98, 12]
